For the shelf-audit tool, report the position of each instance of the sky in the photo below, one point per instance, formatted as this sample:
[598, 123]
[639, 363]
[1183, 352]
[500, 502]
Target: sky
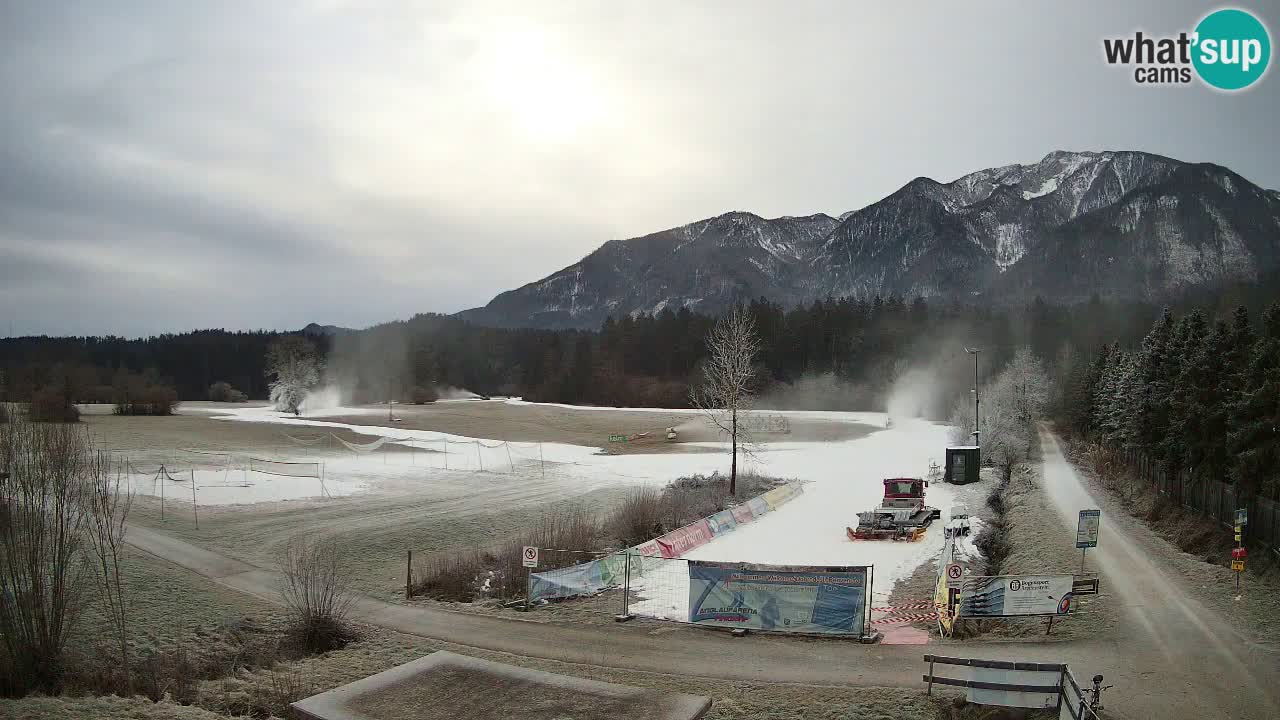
[168, 166]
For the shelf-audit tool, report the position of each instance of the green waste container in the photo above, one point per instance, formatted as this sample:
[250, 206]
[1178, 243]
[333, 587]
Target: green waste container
[963, 464]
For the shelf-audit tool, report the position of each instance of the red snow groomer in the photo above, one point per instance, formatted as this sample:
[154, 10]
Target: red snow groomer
[902, 514]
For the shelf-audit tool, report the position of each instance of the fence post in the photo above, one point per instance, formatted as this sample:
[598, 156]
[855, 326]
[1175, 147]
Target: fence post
[408, 577]
[626, 590]
[929, 690]
[195, 510]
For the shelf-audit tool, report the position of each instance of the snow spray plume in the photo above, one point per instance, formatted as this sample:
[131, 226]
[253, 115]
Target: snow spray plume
[817, 392]
[322, 398]
[929, 380]
[449, 392]
[368, 366]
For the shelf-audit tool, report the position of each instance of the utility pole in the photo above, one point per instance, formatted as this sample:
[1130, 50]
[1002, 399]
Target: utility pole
[977, 437]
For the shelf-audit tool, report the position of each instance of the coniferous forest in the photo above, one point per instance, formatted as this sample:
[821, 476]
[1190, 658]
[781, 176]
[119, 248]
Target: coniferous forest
[1194, 385]
[1199, 395]
[646, 360]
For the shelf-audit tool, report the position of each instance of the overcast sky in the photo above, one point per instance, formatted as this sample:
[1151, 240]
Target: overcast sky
[172, 165]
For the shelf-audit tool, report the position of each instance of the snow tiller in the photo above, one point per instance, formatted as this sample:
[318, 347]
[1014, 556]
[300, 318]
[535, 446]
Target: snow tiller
[902, 514]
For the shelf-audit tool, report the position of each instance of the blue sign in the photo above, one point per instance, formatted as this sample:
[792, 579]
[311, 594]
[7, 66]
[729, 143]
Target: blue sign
[824, 600]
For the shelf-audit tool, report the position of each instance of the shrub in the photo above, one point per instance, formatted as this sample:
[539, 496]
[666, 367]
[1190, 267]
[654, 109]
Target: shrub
[140, 399]
[454, 576]
[421, 395]
[42, 527]
[317, 594]
[498, 572]
[638, 518]
[224, 392]
[51, 405]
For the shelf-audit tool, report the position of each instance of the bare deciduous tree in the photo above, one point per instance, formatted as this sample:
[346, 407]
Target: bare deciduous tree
[109, 500]
[316, 590]
[729, 374]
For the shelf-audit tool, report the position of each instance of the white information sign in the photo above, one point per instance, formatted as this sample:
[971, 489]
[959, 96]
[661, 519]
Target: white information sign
[1087, 529]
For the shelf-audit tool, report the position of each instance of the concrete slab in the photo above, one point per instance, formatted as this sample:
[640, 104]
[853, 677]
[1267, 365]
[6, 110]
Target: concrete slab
[447, 685]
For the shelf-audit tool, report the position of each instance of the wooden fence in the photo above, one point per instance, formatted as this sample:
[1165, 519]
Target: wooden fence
[1216, 500]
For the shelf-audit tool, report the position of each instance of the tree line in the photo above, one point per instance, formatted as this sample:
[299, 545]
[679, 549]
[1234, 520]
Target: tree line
[1197, 395]
[642, 360]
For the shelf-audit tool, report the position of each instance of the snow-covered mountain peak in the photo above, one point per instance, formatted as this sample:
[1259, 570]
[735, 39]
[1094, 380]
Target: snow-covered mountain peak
[1115, 223]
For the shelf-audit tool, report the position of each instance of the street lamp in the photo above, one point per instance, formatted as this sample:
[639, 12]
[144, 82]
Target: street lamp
[977, 440]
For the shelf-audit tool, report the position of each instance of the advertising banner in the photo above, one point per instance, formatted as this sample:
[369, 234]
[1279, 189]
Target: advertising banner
[678, 542]
[722, 522]
[567, 582]
[825, 600]
[779, 495]
[742, 514]
[1016, 595]
[649, 548]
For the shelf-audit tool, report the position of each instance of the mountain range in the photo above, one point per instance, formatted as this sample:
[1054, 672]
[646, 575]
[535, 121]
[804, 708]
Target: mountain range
[1116, 224]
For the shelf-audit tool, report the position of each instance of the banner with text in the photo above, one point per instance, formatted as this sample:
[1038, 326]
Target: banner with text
[825, 600]
[1015, 595]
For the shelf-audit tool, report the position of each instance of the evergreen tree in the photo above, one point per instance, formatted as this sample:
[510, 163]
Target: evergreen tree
[1149, 415]
[1255, 439]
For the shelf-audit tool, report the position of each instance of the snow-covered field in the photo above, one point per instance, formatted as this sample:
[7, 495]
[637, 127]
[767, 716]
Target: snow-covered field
[841, 478]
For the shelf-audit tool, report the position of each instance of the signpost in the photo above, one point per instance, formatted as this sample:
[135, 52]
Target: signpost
[1087, 532]
[529, 558]
[954, 573]
[1238, 553]
[617, 438]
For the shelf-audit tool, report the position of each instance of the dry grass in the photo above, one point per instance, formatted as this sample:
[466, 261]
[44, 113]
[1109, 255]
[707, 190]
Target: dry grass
[1036, 542]
[646, 513]
[497, 571]
[101, 708]
[383, 649]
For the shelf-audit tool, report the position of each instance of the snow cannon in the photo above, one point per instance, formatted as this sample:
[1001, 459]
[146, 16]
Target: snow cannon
[902, 514]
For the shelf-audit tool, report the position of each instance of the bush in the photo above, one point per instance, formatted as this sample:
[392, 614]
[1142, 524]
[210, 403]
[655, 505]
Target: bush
[317, 594]
[141, 399]
[223, 392]
[51, 405]
[638, 518]
[421, 395]
[498, 572]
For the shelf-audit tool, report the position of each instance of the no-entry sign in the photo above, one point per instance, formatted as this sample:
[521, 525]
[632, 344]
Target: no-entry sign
[530, 556]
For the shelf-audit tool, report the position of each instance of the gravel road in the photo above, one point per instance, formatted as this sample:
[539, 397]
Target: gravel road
[1182, 650]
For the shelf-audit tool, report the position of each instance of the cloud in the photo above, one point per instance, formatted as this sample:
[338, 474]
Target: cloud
[170, 165]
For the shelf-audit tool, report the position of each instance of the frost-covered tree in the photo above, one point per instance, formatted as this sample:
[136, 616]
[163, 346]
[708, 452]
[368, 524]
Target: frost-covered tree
[1011, 405]
[294, 368]
[1028, 385]
[728, 378]
[1255, 440]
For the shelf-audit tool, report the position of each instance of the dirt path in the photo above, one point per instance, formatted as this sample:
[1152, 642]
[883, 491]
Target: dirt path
[1149, 684]
[1182, 649]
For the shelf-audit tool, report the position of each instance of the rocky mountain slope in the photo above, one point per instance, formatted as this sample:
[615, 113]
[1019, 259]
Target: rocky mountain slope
[1119, 224]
